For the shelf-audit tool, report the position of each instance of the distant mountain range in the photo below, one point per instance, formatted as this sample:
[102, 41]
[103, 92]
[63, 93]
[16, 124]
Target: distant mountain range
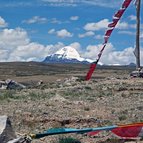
[66, 55]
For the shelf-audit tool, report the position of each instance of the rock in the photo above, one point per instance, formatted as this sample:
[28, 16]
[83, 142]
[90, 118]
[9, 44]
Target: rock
[11, 84]
[40, 82]
[3, 85]
[6, 130]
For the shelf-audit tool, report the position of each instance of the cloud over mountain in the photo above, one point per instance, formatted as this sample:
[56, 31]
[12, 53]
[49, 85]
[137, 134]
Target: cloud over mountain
[15, 45]
[111, 55]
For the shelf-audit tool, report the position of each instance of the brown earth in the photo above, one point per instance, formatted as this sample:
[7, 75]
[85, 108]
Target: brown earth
[66, 100]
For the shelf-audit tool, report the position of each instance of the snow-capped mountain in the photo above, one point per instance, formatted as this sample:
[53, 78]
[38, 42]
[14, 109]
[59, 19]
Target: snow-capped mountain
[66, 55]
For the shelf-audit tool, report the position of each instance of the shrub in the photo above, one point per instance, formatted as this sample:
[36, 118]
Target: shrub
[8, 94]
[122, 117]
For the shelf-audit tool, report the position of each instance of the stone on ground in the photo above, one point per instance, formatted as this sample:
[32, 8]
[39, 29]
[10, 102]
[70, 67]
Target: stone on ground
[6, 131]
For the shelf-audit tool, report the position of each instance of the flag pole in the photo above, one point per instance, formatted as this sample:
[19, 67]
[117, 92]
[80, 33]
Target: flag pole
[138, 4]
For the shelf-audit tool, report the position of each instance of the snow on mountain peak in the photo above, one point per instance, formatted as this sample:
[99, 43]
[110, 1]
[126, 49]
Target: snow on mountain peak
[68, 52]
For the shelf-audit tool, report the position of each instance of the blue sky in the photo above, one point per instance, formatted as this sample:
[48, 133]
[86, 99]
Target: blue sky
[33, 29]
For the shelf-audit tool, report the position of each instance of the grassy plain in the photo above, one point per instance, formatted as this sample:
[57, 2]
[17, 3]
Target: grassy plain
[65, 99]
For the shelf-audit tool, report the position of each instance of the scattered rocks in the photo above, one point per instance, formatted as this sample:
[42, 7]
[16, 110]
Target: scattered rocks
[6, 130]
[11, 84]
[75, 104]
[3, 85]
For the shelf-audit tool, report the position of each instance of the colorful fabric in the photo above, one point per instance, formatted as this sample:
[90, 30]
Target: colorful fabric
[108, 33]
[125, 131]
[92, 68]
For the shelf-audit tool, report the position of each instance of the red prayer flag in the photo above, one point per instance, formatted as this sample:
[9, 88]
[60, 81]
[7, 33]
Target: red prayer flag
[91, 70]
[128, 132]
[126, 3]
[106, 39]
[108, 32]
[119, 13]
[112, 25]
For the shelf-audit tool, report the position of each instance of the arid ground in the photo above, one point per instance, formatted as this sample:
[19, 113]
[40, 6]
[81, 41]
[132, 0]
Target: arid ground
[65, 99]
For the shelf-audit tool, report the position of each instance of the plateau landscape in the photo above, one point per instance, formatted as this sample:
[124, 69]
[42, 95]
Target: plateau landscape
[71, 71]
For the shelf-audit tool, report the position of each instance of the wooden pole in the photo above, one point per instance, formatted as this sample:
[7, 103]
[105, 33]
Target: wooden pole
[138, 4]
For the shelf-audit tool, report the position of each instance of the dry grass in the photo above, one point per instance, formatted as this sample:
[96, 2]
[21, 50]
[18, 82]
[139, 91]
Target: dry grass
[111, 97]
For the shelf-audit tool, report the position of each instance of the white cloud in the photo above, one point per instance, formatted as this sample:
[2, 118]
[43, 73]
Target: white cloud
[53, 48]
[110, 55]
[97, 26]
[124, 57]
[132, 17]
[99, 37]
[51, 31]
[92, 51]
[15, 45]
[33, 51]
[4, 54]
[122, 25]
[2, 22]
[55, 20]
[10, 40]
[63, 33]
[133, 26]
[103, 25]
[75, 45]
[13, 37]
[26, 52]
[74, 18]
[87, 34]
[127, 32]
[36, 19]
